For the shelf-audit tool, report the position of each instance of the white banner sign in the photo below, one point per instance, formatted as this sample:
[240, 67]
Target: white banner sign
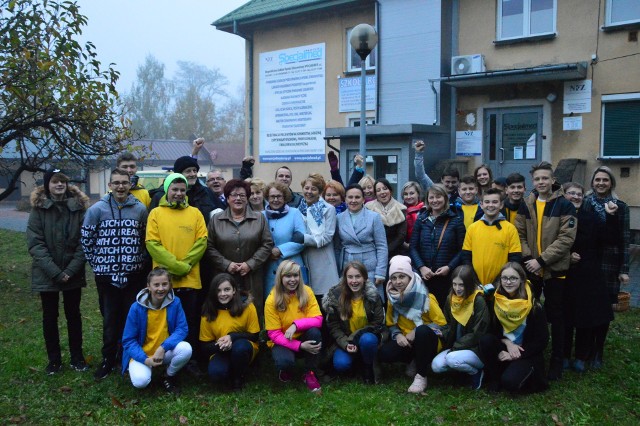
[469, 142]
[292, 104]
[349, 94]
[572, 123]
[577, 97]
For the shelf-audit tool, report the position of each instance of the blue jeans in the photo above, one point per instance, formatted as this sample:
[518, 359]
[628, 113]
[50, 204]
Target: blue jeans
[231, 363]
[367, 350]
[285, 358]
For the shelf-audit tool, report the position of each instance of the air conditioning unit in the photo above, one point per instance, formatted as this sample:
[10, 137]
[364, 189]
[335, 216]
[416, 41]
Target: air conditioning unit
[467, 64]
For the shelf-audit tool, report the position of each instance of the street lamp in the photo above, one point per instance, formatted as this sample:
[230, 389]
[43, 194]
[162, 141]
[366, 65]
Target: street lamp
[363, 39]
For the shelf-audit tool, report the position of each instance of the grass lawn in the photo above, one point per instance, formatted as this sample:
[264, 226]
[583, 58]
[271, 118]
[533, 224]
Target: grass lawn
[28, 396]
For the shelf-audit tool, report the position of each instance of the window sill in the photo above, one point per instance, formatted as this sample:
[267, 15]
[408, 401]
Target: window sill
[619, 159]
[620, 27]
[530, 39]
[357, 72]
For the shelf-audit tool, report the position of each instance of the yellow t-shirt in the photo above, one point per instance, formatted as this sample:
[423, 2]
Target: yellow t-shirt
[224, 324]
[142, 195]
[539, 215]
[157, 330]
[358, 318]
[469, 212]
[276, 320]
[490, 247]
[433, 316]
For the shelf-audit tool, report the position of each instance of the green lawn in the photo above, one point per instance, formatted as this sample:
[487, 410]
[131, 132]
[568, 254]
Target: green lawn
[28, 396]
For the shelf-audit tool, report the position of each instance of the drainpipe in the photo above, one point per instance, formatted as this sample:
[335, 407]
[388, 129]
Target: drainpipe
[435, 101]
[249, 42]
[377, 26]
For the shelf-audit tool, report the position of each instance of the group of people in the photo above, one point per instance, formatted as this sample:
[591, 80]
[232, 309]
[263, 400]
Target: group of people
[450, 279]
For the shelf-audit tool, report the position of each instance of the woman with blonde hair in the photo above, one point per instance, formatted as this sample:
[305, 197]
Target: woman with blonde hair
[293, 321]
[367, 183]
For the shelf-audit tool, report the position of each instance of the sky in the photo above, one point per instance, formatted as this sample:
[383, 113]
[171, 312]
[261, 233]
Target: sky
[126, 31]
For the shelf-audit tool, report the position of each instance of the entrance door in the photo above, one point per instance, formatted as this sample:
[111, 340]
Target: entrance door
[381, 163]
[512, 140]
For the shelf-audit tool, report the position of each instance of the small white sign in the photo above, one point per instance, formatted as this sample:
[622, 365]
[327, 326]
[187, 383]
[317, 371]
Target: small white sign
[577, 97]
[392, 159]
[531, 147]
[392, 178]
[518, 152]
[572, 123]
[469, 143]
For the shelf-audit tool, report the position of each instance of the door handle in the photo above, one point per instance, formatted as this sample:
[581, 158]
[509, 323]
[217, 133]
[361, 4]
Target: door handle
[501, 155]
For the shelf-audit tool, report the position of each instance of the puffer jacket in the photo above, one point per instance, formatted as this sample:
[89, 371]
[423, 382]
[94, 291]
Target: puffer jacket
[423, 248]
[559, 226]
[340, 329]
[53, 240]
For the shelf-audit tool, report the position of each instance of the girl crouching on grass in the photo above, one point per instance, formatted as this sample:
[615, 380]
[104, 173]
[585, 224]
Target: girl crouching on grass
[292, 318]
[513, 352]
[229, 330]
[414, 319]
[467, 320]
[355, 318]
[154, 333]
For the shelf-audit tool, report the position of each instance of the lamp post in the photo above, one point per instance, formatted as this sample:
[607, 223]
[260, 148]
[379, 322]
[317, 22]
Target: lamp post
[363, 39]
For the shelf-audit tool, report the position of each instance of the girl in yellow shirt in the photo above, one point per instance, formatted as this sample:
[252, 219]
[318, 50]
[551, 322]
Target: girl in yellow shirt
[229, 330]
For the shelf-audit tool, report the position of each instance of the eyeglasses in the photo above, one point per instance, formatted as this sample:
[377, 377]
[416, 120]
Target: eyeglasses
[219, 178]
[123, 183]
[511, 280]
[575, 194]
[240, 196]
[276, 197]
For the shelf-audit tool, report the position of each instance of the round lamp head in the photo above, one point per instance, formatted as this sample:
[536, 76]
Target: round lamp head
[363, 39]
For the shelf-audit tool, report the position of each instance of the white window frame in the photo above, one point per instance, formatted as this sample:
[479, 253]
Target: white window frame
[611, 99]
[356, 67]
[609, 23]
[526, 22]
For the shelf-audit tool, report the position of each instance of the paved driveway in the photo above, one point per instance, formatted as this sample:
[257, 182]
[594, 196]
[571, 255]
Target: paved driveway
[12, 219]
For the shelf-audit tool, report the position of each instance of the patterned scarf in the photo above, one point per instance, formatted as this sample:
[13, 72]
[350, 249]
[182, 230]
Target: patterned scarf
[276, 214]
[598, 205]
[512, 312]
[462, 308]
[316, 210]
[411, 303]
[341, 207]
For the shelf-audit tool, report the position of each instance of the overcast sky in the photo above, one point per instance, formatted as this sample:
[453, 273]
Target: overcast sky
[125, 31]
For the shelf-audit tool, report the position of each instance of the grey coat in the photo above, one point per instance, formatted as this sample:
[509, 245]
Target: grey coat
[319, 256]
[53, 240]
[365, 242]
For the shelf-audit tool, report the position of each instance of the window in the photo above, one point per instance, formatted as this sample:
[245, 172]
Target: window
[620, 12]
[620, 126]
[355, 122]
[353, 60]
[526, 18]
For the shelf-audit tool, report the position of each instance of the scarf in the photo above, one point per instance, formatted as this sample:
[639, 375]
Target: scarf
[411, 303]
[512, 312]
[598, 205]
[276, 214]
[341, 207]
[392, 214]
[462, 308]
[316, 210]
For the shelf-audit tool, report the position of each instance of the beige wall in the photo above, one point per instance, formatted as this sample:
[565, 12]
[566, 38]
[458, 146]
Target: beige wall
[578, 37]
[328, 28]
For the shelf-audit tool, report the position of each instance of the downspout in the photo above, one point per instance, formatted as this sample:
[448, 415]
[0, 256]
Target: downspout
[435, 101]
[377, 71]
[249, 42]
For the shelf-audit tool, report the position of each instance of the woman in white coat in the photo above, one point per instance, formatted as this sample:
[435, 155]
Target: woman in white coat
[320, 221]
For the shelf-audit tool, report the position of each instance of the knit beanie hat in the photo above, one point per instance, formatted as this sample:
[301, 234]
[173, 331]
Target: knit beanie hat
[400, 264]
[173, 177]
[184, 163]
[49, 174]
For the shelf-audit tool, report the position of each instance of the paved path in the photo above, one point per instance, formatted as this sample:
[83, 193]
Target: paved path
[12, 219]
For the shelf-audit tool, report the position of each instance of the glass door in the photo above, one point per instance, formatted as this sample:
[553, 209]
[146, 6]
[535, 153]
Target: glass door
[512, 140]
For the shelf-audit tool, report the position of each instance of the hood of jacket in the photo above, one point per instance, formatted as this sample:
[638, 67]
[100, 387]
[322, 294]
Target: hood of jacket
[143, 297]
[78, 200]
[332, 297]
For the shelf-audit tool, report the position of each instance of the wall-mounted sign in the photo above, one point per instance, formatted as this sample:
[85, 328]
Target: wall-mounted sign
[577, 97]
[349, 93]
[469, 143]
[572, 123]
[292, 104]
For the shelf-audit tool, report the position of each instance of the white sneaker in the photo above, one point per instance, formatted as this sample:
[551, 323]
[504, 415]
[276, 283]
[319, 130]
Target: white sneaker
[411, 370]
[419, 384]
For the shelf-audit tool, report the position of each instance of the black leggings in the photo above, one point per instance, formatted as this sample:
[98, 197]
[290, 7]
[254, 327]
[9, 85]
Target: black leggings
[518, 375]
[423, 349]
